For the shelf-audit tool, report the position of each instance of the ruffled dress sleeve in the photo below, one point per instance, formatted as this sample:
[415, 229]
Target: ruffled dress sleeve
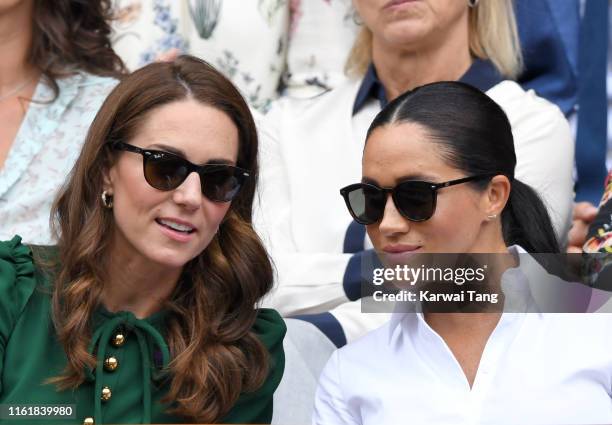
[17, 283]
[256, 407]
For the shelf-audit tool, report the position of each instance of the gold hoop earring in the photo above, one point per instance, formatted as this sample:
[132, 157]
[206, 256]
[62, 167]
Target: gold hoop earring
[473, 3]
[492, 217]
[107, 200]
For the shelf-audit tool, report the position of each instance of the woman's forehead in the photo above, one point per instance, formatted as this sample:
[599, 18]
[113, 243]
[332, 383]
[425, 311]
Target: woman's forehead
[406, 144]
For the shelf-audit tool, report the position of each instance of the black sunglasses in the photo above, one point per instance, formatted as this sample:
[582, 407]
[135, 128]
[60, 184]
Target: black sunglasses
[167, 171]
[415, 200]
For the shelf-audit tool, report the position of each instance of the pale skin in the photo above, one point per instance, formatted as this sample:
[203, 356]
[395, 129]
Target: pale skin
[417, 42]
[15, 41]
[146, 263]
[472, 231]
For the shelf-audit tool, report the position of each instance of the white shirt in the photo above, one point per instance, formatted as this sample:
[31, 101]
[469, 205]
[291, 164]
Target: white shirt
[46, 147]
[536, 368]
[309, 149]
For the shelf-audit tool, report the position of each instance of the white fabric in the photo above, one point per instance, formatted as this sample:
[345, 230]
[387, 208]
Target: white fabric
[245, 40]
[311, 148]
[46, 146]
[536, 368]
[321, 35]
[307, 350]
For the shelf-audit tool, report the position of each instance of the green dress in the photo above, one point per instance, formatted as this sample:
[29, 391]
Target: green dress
[127, 384]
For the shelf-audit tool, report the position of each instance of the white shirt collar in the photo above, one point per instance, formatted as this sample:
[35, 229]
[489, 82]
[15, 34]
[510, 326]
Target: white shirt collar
[516, 285]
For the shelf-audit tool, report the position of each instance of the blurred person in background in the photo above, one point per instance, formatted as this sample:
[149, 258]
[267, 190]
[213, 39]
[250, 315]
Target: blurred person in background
[57, 68]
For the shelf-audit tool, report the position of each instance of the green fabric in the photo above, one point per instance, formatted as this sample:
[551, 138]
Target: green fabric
[30, 354]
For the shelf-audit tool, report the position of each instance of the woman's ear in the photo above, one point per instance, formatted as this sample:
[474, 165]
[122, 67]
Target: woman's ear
[107, 180]
[496, 195]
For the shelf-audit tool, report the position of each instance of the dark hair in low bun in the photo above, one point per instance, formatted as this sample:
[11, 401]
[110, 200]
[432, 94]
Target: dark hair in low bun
[475, 136]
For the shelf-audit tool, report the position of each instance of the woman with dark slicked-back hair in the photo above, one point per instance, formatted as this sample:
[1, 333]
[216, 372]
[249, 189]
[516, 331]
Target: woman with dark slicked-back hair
[402, 44]
[57, 68]
[481, 143]
[438, 177]
[146, 310]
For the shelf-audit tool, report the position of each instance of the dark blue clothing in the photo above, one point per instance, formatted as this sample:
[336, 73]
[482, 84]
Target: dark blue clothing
[481, 74]
[549, 34]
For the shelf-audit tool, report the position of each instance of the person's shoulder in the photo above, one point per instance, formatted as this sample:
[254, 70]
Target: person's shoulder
[85, 87]
[532, 117]
[516, 100]
[270, 328]
[256, 406]
[96, 84]
[369, 347]
[82, 94]
[16, 261]
[18, 280]
[584, 328]
[85, 79]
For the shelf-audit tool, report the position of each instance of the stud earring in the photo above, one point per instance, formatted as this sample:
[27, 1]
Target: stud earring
[492, 216]
[107, 200]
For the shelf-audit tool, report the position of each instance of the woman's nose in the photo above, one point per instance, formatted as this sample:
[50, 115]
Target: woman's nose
[393, 223]
[189, 193]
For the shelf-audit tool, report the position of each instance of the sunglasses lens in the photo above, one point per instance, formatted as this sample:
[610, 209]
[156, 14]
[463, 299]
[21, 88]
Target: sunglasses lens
[415, 200]
[367, 203]
[165, 172]
[221, 183]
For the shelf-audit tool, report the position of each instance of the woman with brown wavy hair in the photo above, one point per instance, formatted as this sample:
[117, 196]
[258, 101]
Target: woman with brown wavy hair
[146, 309]
[57, 68]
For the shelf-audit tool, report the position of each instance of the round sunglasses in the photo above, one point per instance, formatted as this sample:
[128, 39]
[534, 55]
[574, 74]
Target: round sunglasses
[167, 171]
[415, 200]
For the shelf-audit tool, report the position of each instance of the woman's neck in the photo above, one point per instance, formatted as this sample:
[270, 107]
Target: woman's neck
[402, 68]
[15, 43]
[137, 285]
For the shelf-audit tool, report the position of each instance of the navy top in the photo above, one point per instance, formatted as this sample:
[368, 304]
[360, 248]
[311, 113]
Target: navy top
[482, 74]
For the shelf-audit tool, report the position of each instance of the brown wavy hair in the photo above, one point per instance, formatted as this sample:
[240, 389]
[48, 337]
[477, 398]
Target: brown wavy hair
[73, 35]
[215, 354]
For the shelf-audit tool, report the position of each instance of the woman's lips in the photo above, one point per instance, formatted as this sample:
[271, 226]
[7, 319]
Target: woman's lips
[174, 234]
[395, 3]
[398, 254]
[400, 248]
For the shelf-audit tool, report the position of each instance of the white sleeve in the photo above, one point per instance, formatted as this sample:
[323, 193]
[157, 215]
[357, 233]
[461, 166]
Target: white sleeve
[544, 148]
[545, 161]
[330, 406]
[306, 282]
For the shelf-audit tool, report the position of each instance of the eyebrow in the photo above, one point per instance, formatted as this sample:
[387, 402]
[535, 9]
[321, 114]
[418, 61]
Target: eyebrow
[180, 153]
[419, 177]
[168, 148]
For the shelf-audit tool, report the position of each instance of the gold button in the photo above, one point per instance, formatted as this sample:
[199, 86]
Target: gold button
[110, 364]
[88, 421]
[106, 394]
[118, 340]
